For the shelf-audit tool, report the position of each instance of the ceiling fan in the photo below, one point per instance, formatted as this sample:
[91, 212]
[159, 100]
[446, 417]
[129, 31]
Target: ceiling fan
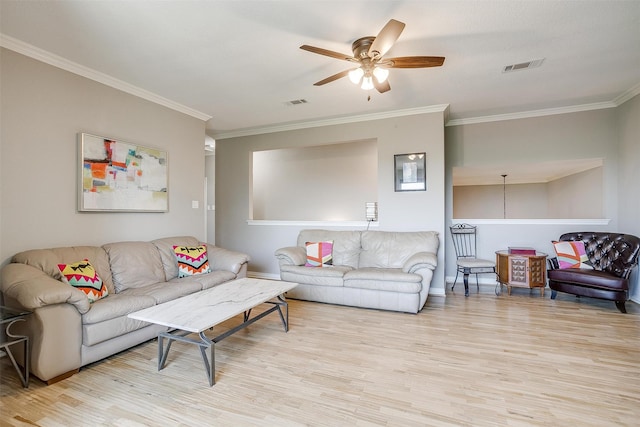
[368, 54]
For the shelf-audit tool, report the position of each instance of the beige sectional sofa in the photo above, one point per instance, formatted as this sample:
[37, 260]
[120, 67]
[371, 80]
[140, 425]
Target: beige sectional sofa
[372, 269]
[67, 332]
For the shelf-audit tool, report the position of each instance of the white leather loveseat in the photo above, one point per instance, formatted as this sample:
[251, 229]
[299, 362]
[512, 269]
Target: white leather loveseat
[371, 269]
[67, 331]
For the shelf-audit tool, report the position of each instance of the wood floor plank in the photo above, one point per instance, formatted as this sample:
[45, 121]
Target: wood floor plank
[518, 360]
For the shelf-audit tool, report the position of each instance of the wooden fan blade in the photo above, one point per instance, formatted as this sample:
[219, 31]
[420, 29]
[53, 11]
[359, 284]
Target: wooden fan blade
[329, 79]
[412, 62]
[329, 53]
[381, 87]
[386, 38]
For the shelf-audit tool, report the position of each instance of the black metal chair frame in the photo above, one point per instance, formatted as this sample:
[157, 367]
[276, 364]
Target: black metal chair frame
[464, 243]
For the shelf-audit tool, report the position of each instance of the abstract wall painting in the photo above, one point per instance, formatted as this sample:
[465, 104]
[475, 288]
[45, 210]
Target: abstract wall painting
[118, 176]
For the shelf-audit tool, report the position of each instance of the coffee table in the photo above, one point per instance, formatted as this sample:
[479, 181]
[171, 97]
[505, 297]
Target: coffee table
[202, 310]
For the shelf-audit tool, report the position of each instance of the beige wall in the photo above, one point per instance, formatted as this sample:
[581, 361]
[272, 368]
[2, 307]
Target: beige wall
[629, 176]
[589, 134]
[400, 211]
[574, 196]
[335, 180]
[42, 110]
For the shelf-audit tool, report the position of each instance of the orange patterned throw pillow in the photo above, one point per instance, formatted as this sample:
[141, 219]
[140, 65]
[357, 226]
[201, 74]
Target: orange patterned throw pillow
[83, 276]
[571, 254]
[319, 254]
[192, 260]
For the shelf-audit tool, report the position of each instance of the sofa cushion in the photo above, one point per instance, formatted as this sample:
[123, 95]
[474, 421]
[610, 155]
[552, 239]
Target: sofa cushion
[95, 333]
[319, 254]
[383, 279]
[134, 264]
[83, 276]
[346, 244]
[47, 260]
[192, 260]
[205, 281]
[116, 306]
[590, 278]
[168, 256]
[387, 249]
[164, 291]
[330, 276]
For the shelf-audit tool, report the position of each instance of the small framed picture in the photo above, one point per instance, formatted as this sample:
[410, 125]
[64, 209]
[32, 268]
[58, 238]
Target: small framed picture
[410, 172]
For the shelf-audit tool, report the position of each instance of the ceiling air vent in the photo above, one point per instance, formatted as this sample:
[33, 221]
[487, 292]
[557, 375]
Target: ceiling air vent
[523, 65]
[296, 102]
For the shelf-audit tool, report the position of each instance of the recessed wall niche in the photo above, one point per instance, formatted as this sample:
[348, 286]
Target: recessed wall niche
[328, 182]
[547, 190]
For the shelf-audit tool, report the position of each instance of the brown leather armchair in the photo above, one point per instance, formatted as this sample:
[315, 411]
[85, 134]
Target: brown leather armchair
[613, 257]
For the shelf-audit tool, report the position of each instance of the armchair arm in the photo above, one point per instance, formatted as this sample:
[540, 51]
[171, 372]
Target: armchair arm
[420, 260]
[33, 288]
[225, 259]
[292, 255]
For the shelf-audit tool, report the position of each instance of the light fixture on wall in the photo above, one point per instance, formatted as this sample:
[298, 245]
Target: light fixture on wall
[504, 195]
[371, 211]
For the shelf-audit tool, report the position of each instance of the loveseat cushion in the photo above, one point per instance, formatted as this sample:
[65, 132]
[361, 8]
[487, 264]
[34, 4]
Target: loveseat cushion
[324, 276]
[346, 244]
[590, 278]
[383, 279]
[386, 249]
[134, 264]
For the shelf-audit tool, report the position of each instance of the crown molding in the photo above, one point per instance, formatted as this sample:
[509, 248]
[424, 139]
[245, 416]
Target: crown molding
[532, 113]
[627, 95]
[60, 62]
[616, 102]
[441, 108]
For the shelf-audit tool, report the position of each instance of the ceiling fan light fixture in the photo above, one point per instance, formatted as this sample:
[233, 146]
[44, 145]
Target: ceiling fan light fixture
[381, 74]
[356, 75]
[367, 83]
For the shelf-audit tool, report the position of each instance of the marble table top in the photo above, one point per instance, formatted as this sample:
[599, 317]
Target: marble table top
[202, 310]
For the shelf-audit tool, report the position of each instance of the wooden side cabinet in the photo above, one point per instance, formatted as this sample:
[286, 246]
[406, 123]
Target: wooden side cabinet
[522, 271]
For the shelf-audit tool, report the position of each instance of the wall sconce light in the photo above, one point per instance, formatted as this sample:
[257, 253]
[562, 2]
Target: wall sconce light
[371, 211]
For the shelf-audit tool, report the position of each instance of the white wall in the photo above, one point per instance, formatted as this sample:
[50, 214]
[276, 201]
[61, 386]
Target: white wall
[399, 211]
[42, 109]
[335, 180]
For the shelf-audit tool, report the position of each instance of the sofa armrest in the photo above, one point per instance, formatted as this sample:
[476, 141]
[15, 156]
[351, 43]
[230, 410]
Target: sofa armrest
[225, 259]
[292, 255]
[420, 260]
[32, 288]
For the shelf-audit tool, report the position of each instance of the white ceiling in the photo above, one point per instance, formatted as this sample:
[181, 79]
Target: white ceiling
[239, 61]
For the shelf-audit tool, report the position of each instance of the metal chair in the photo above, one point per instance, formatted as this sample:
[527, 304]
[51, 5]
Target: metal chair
[464, 242]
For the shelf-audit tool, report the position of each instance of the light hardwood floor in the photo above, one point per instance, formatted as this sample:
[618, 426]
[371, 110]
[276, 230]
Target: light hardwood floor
[518, 360]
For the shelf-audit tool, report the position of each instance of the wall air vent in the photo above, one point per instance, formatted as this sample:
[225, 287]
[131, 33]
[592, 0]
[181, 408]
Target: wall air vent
[522, 66]
[296, 102]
